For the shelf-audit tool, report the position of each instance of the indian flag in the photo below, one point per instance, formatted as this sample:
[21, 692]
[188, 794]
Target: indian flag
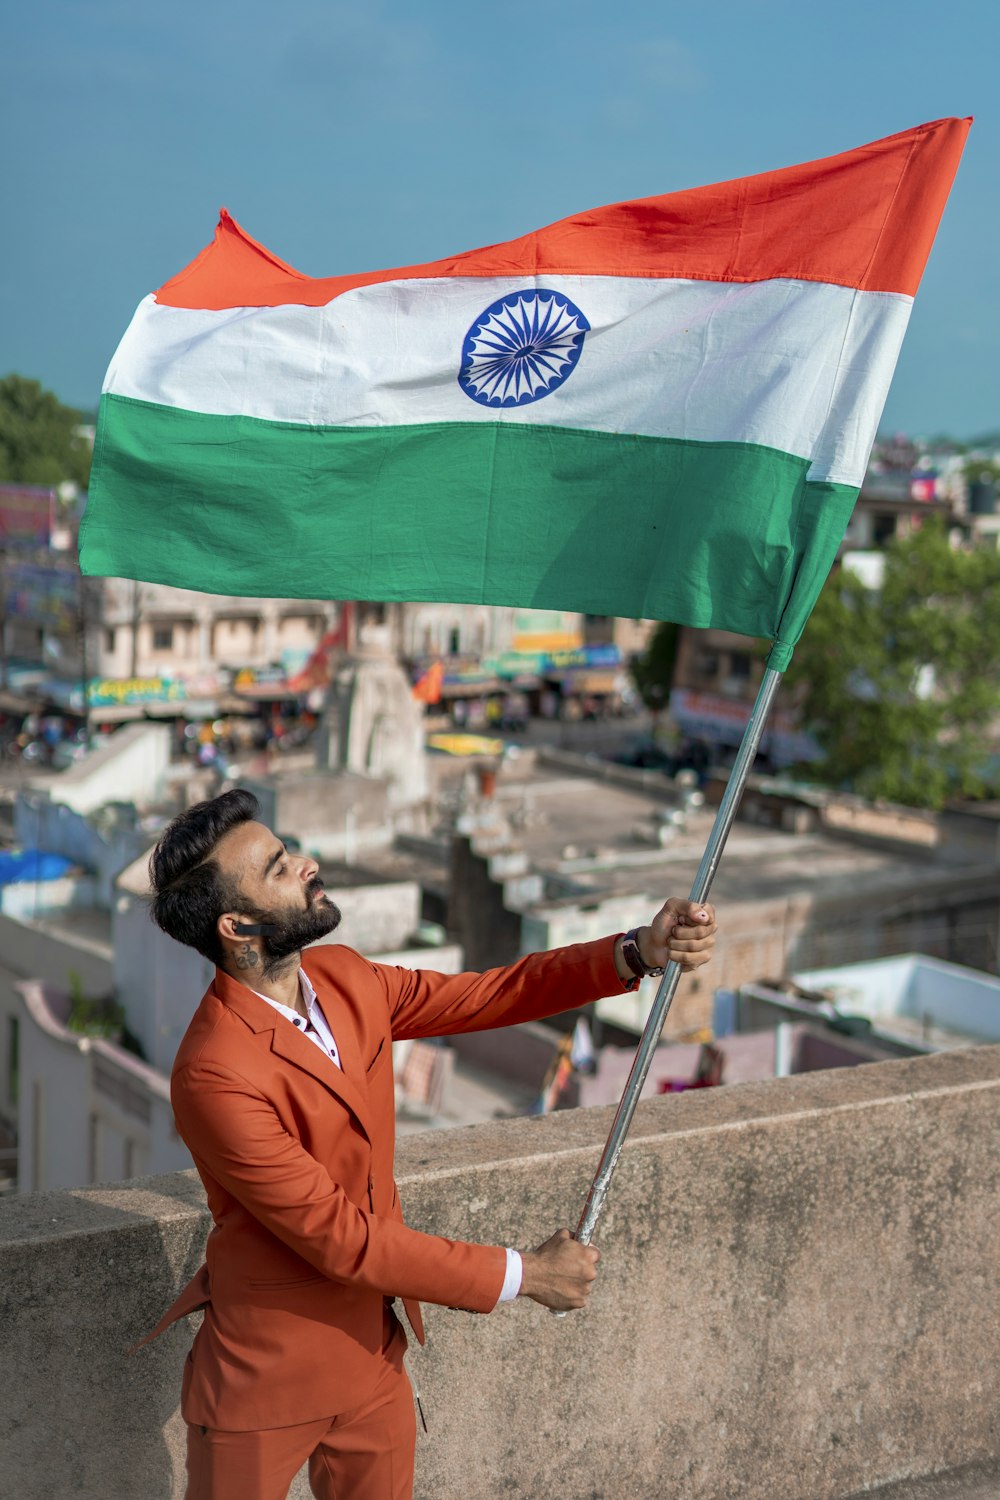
[660, 408]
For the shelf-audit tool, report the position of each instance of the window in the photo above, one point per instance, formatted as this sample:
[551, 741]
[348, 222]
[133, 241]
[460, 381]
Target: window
[110, 635]
[598, 630]
[883, 529]
[163, 637]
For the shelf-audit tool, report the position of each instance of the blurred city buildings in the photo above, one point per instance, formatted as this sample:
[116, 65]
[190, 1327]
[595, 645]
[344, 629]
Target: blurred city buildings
[553, 848]
[123, 702]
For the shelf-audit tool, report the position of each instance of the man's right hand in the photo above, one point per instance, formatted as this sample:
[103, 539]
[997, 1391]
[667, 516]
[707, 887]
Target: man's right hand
[560, 1273]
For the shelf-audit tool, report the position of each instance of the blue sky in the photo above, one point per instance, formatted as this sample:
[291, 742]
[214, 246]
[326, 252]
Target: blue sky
[351, 137]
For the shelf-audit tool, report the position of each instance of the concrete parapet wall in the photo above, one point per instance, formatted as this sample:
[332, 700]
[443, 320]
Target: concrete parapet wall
[129, 766]
[654, 784]
[796, 1302]
[47, 951]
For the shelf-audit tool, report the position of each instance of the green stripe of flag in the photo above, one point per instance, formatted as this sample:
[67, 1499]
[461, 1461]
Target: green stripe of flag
[729, 535]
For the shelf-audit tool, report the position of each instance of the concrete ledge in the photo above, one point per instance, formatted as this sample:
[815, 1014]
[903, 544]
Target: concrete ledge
[797, 1302]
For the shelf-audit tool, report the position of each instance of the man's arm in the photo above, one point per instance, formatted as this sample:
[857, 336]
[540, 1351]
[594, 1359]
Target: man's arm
[560, 1273]
[236, 1138]
[423, 1003]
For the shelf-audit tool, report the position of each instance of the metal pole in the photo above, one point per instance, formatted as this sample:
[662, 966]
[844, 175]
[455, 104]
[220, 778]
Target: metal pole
[668, 984]
[84, 662]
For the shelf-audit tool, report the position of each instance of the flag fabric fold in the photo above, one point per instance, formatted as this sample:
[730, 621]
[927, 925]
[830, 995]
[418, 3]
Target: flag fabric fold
[661, 408]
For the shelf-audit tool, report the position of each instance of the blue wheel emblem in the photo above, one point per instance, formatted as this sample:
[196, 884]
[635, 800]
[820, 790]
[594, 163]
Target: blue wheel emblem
[523, 347]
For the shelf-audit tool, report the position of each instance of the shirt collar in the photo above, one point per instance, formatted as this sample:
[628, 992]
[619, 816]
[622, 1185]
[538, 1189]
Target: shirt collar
[308, 995]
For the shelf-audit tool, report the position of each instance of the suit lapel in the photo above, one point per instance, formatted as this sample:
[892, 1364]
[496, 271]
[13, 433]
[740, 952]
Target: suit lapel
[290, 1044]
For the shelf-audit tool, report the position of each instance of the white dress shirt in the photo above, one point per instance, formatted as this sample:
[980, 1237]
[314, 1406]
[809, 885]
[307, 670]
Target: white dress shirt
[317, 1030]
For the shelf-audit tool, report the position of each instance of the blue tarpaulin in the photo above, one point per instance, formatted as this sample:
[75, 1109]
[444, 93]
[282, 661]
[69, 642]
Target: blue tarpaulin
[31, 864]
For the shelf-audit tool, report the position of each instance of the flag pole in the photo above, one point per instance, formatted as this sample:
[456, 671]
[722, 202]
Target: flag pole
[724, 819]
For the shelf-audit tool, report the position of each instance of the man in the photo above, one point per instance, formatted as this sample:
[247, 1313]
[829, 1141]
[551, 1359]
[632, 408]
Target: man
[283, 1091]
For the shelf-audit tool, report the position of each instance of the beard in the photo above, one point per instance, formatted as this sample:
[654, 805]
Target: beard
[290, 932]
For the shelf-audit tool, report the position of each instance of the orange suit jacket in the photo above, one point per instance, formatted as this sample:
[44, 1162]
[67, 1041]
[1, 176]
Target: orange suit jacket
[296, 1156]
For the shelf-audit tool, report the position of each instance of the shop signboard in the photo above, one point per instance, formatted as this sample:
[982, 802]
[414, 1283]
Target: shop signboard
[49, 597]
[27, 513]
[472, 674]
[249, 678]
[546, 663]
[106, 692]
[924, 485]
[721, 721]
[584, 658]
[547, 630]
[516, 664]
[514, 668]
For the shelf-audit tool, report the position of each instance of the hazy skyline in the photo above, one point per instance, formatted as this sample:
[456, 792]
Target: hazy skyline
[348, 138]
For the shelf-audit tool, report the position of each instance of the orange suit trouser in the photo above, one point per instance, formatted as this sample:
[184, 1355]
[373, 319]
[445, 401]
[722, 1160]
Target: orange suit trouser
[363, 1454]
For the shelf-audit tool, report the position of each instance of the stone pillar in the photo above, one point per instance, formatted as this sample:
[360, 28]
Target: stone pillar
[203, 620]
[372, 724]
[268, 650]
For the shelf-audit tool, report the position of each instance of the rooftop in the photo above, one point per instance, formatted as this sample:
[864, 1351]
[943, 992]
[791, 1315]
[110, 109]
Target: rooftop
[594, 836]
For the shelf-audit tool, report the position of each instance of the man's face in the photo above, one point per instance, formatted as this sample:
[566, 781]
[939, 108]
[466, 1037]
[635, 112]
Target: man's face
[277, 889]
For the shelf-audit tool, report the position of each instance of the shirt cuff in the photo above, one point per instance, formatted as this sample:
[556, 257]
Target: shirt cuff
[512, 1277]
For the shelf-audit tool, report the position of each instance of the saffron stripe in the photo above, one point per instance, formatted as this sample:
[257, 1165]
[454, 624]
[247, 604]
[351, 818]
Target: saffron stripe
[865, 218]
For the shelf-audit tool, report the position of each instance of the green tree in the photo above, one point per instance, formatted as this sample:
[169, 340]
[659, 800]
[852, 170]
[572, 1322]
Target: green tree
[901, 685]
[653, 671]
[90, 1015]
[39, 440]
[981, 468]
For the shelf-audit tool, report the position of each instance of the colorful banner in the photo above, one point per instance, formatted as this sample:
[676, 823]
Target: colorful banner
[104, 692]
[131, 692]
[49, 597]
[584, 658]
[512, 666]
[547, 630]
[248, 678]
[27, 512]
[721, 721]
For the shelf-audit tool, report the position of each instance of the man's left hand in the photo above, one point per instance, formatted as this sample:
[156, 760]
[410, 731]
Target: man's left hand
[682, 932]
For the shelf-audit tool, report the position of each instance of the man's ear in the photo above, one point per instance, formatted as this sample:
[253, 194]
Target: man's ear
[227, 927]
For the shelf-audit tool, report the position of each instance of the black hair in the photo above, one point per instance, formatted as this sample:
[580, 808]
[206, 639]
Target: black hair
[190, 892]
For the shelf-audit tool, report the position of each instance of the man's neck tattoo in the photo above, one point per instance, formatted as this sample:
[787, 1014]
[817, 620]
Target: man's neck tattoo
[247, 958]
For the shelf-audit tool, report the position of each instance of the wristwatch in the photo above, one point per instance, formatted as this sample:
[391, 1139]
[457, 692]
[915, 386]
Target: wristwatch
[634, 959]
